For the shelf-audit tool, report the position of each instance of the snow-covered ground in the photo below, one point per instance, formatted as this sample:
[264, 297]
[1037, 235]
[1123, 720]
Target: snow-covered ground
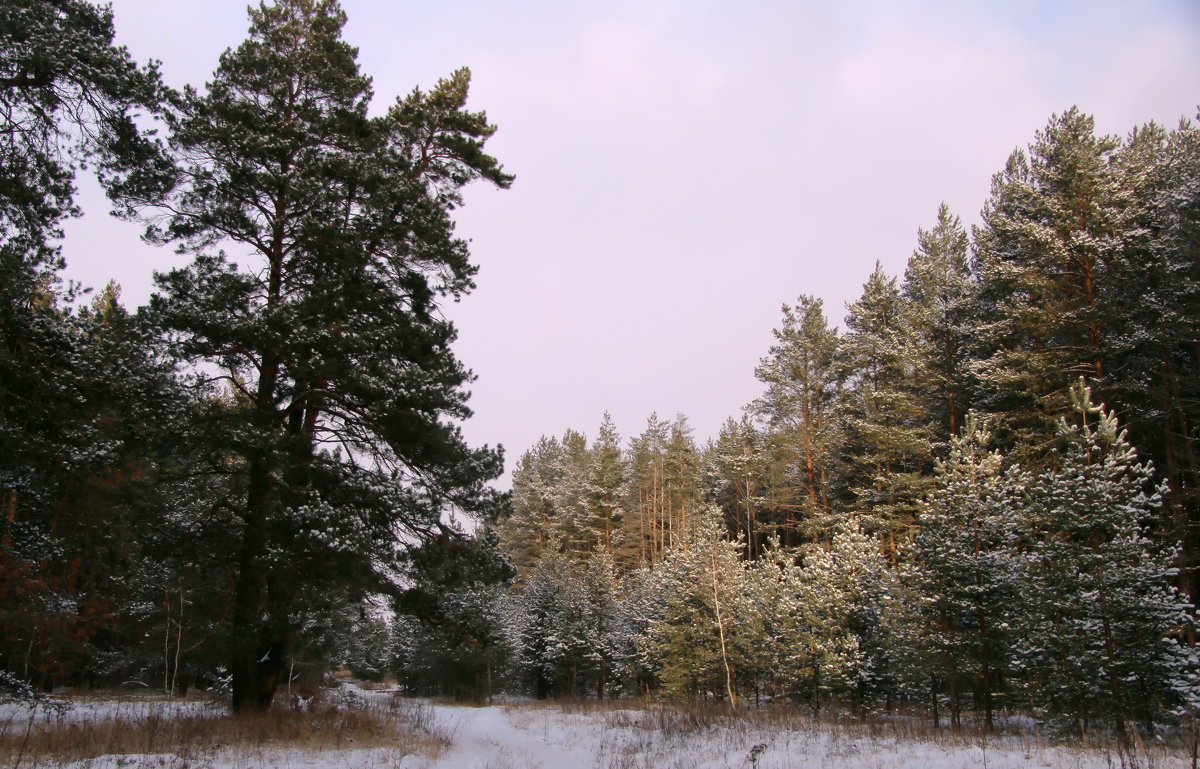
[529, 735]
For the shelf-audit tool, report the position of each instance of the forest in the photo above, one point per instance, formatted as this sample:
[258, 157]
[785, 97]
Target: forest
[979, 493]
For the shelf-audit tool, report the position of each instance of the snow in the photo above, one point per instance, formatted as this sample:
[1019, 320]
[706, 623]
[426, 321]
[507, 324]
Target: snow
[528, 735]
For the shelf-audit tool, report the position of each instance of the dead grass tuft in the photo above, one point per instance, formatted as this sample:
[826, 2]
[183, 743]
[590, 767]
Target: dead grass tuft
[146, 727]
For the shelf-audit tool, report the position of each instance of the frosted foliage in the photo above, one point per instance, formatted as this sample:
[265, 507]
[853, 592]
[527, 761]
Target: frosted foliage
[1097, 607]
[573, 634]
[960, 573]
[708, 627]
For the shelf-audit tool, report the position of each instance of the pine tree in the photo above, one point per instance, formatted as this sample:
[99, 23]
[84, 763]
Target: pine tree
[736, 468]
[646, 488]
[681, 478]
[80, 396]
[571, 498]
[708, 632]
[327, 324]
[1049, 260]
[887, 445]
[1157, 322]
[961, 572]
[607, 627]
[825, 613]
[560, 646]
[937, 316]
[605, 495]
[533, 520]
[71, 97]
[798, 410]
[1092, 637]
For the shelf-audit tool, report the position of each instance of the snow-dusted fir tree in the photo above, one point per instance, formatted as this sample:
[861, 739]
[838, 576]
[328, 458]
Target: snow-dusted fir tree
[526, 532]
[1097, 609]
[554, 645]
[959, 575]
[839, 597]
[604, 496]
[709, 628]
[605, 623]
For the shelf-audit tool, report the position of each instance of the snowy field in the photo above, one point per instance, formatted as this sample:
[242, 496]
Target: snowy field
[419, 734]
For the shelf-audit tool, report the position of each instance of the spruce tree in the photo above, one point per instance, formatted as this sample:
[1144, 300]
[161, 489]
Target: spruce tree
[325, 325]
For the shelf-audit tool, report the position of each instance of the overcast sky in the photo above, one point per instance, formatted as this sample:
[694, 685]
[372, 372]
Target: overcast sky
[685, 167]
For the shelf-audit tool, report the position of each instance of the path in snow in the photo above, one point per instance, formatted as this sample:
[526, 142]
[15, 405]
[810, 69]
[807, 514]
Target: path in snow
[488, 737]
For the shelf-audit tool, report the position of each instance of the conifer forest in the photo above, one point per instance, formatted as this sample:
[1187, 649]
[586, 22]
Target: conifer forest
[976, 495]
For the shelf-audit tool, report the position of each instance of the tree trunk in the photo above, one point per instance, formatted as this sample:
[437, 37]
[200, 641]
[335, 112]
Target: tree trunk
[259, 644]
[721, 633]
[933, 699]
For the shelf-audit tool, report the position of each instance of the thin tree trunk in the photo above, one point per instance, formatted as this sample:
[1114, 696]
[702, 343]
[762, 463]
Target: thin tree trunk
[178, 640]
[933, 699]
[721, 632]
[167, 642]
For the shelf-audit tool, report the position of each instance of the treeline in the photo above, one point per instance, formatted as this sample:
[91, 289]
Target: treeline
[1085, 265]
[1022, 590]
[944, 426]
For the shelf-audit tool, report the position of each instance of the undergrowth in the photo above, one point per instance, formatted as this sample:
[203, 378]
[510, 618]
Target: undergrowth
[186, 738]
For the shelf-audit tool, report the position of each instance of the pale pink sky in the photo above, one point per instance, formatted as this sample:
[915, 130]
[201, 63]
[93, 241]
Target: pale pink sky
[684, 167]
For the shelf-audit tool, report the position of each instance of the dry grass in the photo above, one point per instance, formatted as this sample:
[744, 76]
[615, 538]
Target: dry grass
[195, 735]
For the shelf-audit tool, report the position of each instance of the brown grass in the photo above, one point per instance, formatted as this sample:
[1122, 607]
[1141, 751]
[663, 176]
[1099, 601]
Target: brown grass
[184, 738]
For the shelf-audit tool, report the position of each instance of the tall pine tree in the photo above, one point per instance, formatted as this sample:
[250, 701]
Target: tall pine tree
[326, 325]
[939, 294]
[799, 412]
[1050, 261]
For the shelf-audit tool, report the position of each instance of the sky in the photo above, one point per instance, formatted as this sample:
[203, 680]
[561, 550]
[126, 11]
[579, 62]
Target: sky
[685, 167]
